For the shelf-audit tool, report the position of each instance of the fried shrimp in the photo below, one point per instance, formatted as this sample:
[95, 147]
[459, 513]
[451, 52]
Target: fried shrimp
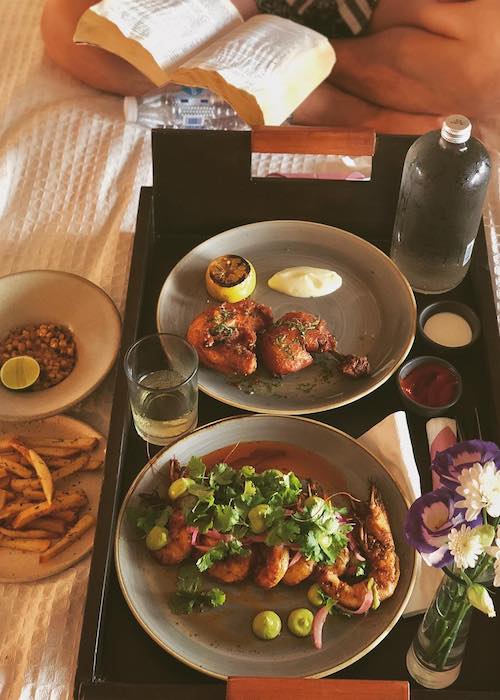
[378, 546]
[271, 566]
[298, 572]
[178, 546]
[233, 569]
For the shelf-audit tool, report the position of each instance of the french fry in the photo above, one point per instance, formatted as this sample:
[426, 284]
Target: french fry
[3, 498]
[14, 508]
[67, 516]
[15, 457]
[34, 495]
[3, 472]
[82, 444]
[26, 545]
[43, 474]
[4, 481]
[84, 524]
[39, 466]
[51, 525]
[24, 534]
[13, 467]
[93, 464]
[47, 452]
[73, 467]
[6, 443]
[61, 502]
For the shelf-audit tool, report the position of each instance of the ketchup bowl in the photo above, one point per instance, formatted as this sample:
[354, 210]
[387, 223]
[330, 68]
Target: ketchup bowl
[429, 385]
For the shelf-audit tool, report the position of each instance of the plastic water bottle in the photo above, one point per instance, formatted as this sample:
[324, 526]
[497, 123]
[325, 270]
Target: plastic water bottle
[183, 108]
[444, 182]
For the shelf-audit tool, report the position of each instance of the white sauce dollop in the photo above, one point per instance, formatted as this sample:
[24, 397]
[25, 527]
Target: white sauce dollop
[305, 282]
[448, 329]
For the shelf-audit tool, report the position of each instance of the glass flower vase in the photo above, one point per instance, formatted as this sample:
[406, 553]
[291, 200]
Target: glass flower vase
[435, 656]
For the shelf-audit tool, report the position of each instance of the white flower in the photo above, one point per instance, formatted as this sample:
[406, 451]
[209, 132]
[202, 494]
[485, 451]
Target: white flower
[494, 552]
[465, 547]
[480, 487]
[479, 597]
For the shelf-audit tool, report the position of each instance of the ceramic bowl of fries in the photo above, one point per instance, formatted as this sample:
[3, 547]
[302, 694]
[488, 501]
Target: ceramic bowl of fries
[50, 477]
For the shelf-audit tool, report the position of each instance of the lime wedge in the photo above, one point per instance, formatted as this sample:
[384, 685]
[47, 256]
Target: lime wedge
[19, 372]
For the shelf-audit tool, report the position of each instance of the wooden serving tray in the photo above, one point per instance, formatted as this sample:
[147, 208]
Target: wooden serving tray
[202, 186]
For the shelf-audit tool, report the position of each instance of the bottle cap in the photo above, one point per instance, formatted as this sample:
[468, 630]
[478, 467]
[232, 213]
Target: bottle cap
[456, 129]
[130, 109]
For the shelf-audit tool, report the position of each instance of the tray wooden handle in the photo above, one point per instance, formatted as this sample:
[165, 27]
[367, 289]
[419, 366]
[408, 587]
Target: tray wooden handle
[322, 140]
[305, 689]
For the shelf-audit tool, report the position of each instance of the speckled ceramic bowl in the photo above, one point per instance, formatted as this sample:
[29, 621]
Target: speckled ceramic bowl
[220, 642]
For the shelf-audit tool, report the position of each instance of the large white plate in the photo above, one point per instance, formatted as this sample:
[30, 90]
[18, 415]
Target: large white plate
[39, 296]
[24, 566]
[372, 314]
[220, 642]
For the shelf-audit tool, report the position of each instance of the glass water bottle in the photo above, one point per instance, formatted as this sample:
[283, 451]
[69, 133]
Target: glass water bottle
[444, 182]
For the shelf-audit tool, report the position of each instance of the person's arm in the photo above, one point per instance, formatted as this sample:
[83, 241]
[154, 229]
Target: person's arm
[329, 106]
[94, 66]
[426, 56]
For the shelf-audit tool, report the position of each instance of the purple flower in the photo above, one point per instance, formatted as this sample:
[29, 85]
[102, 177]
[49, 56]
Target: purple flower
[447, 465]
[428, 524]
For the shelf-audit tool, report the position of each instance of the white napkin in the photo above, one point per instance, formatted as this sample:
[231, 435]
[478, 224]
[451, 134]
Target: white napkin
[390, 441]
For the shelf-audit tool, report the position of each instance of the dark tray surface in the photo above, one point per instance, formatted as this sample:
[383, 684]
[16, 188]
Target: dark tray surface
[124, 654]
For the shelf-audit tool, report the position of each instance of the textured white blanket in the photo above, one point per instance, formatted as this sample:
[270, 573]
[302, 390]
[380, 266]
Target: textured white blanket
[70, 176]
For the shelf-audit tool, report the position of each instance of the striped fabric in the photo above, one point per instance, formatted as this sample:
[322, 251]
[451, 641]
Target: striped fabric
[333, 18]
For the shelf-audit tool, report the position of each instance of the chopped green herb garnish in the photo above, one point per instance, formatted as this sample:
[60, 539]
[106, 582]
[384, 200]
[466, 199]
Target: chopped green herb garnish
[189, 597]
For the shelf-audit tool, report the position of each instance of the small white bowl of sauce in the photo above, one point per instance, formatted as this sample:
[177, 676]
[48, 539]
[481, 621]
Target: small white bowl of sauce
[449, 325]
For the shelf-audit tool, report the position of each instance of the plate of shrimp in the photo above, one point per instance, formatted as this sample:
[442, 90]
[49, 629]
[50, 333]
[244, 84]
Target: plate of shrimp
[262, 508]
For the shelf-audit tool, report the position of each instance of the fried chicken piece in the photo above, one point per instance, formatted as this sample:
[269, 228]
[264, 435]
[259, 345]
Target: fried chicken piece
[354, 366]
[225, 336]
[287, 345]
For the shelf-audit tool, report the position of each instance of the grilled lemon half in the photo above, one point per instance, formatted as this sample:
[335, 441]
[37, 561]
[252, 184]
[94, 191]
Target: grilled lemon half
[230, 278]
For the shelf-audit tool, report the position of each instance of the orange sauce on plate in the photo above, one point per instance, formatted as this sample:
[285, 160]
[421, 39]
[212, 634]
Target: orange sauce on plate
[267, 454]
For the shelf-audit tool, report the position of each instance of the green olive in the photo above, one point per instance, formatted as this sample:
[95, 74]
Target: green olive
[266, 625]
[157, 538]
[300, 622]
[315, 505]
[314, 595]
[257, 518]
[179, 488]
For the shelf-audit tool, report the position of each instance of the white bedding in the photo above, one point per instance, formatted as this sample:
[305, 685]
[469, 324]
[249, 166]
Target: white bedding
[70, 176]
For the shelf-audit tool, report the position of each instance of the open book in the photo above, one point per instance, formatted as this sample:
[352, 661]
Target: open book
[264, 67]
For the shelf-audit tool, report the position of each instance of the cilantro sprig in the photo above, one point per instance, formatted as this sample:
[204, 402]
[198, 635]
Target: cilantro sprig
[189, 596]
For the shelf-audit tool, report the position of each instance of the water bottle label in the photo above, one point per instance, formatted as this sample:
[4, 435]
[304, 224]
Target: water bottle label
[191, 121]
[468, 251]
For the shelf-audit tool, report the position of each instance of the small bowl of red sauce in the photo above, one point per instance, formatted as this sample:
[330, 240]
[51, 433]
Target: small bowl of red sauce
[429, 385]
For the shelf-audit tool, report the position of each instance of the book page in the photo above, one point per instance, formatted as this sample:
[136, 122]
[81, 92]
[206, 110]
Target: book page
[156, 36]
[265, 68]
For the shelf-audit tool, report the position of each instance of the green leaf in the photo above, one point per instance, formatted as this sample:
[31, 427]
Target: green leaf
[225, 518]
[221, 551]
[249, 492]
[196, 468]
[222, 475]
[145, 517]
[282, 531]
[216, 597]
[203, 493]
[189, 597]
[361, 568]
[188, 579]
